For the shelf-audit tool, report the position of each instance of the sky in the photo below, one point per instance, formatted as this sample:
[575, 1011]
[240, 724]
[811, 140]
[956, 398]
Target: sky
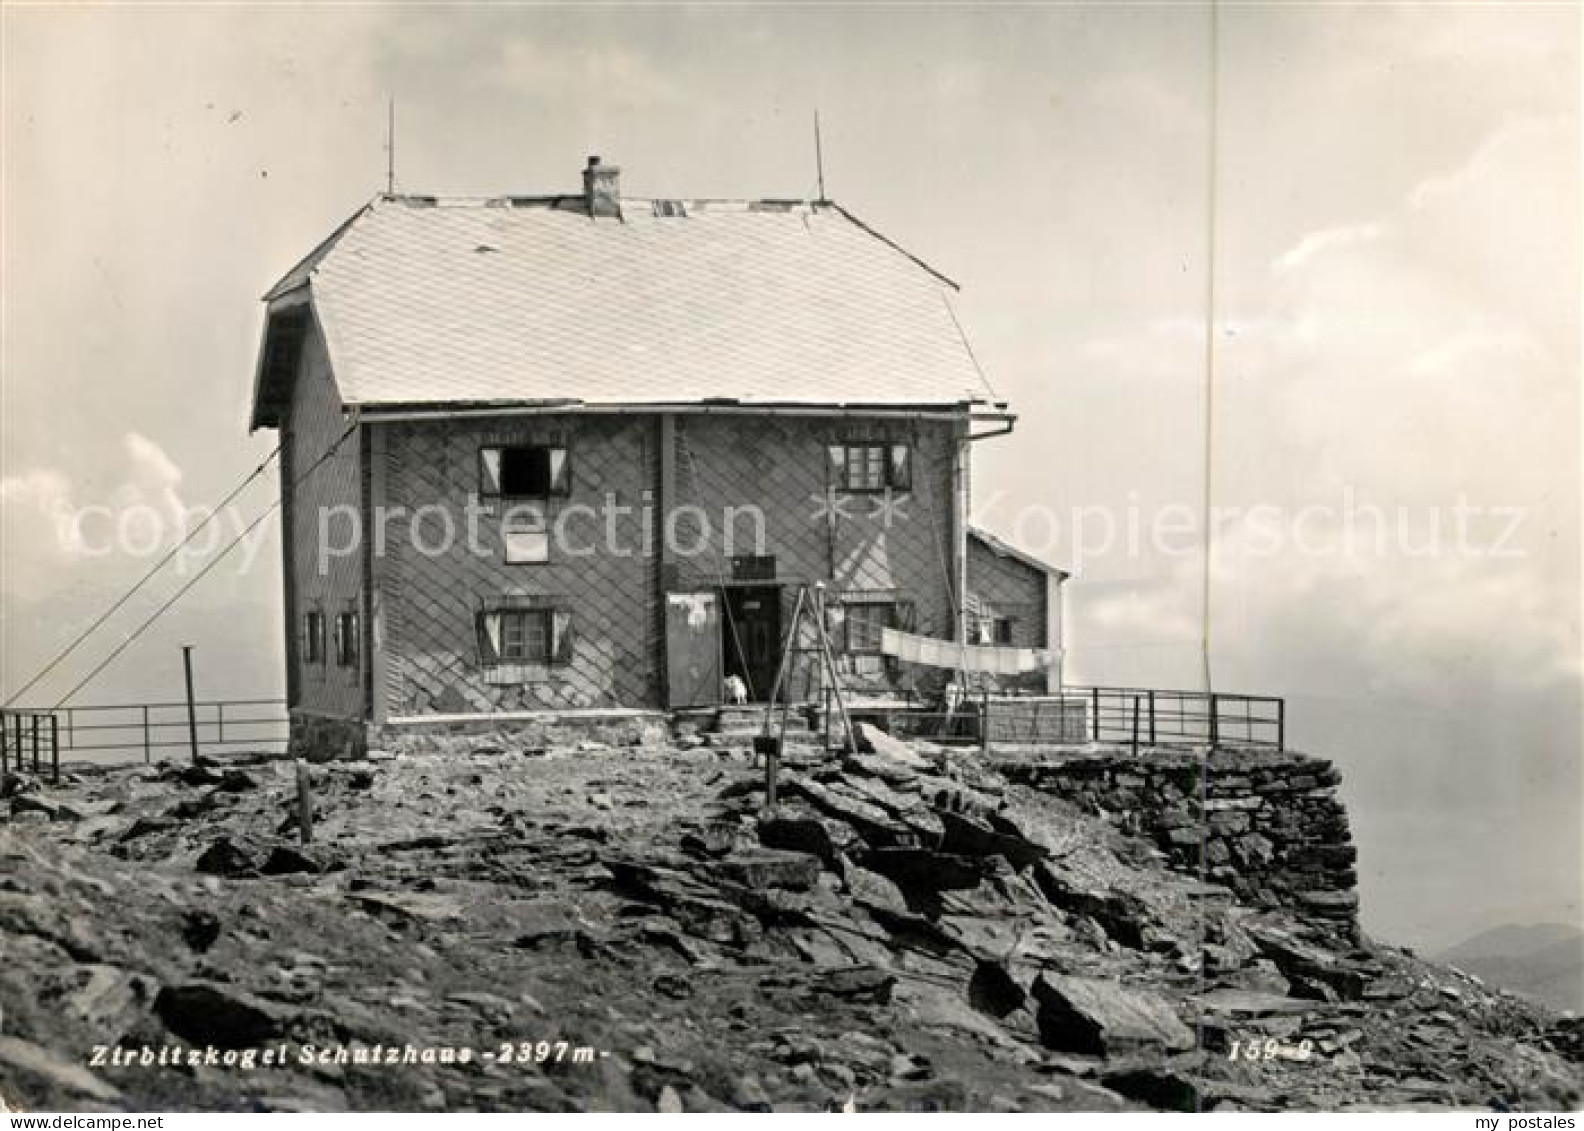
[1396, 301]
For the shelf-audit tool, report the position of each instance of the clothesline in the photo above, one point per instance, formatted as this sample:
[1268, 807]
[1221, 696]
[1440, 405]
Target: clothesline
[935, 653]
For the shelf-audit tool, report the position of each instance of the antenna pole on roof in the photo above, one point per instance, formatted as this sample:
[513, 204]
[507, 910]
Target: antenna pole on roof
[819, 158]
[390, 146]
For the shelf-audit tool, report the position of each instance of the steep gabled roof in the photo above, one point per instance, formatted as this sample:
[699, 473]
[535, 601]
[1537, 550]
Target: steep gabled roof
[531, 301]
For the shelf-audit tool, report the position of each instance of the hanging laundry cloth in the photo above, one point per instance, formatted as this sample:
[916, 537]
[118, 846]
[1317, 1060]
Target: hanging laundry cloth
[934, 653]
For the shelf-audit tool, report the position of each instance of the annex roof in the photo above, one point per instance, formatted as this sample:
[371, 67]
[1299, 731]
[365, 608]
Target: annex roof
[1004, 549]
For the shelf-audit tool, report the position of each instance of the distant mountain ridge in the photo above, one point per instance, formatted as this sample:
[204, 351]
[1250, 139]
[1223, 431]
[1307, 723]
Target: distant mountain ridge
[1543, 961]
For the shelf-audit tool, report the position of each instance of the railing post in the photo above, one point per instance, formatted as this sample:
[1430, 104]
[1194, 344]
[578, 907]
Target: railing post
[219, 724]
[34, 720]
[1215, 723]
[1152, 717]
[146, 750]
[1281, 724]
[55, 748]
[1135, 724]
[5, 745]
[1094, 712]
[192, 712]
[984, 721]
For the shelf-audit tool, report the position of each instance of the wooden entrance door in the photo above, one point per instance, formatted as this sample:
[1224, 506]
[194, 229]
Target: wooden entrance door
[693, 649]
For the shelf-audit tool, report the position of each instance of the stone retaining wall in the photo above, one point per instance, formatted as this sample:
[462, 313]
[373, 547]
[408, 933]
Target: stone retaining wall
[324, 738]
[319, 738]
[1270, 825]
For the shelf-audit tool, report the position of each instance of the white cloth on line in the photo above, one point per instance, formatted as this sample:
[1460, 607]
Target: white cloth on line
[935, 653]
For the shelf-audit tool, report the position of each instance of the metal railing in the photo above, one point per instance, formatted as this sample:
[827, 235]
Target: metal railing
[102, 730]
[1146, 716]
[29, 737]
[1138, 717]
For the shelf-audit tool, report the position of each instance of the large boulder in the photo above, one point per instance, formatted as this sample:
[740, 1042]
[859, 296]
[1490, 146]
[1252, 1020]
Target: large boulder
[228, 857]
[765, 868]
[920, 870]
[210, 1015]
[873, 823]
[970, 836]
[872, 890]
[1103, 1018]
[873, 740]
[284, 860]
[799, 834]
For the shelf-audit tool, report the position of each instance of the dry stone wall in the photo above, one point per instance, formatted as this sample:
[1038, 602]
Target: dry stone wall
[1267, 824]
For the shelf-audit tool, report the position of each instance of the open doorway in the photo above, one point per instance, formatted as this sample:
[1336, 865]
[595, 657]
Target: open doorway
[751, 636]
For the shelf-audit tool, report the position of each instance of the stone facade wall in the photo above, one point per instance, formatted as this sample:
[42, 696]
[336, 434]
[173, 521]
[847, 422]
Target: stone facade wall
[1267, 824]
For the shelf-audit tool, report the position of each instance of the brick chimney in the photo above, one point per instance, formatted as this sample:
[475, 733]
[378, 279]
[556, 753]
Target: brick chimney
[602, 188]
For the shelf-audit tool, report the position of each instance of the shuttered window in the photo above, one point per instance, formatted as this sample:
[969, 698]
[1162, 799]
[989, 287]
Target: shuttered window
[524, 636]
[524, 472]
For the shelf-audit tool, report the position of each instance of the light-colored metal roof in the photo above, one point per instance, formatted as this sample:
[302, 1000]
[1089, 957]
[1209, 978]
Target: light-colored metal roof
[426, 302]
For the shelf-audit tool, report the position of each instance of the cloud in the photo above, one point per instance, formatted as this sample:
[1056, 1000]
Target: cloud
[1416, 361]
[52, 533]
[1326, 239]
[152, 480]
[1434, 361]
[46, 495]
[1524, 146]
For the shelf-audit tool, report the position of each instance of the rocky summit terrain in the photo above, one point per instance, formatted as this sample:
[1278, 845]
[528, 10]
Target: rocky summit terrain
[631, 928]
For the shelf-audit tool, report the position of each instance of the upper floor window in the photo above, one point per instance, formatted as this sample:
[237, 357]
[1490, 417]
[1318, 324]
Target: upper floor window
[871, 466]
[530, 471]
